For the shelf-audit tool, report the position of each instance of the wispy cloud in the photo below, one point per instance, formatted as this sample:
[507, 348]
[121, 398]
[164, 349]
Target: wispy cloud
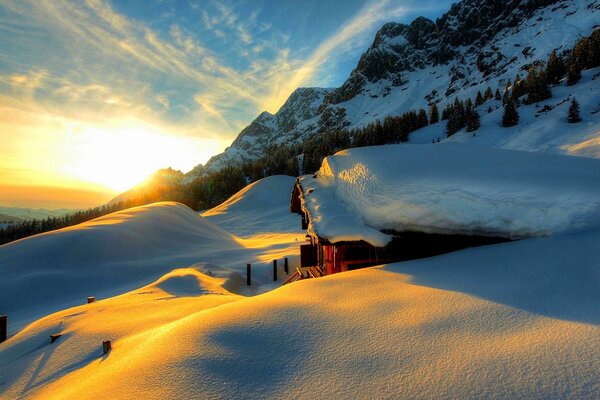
[344, 40]
[90, 68]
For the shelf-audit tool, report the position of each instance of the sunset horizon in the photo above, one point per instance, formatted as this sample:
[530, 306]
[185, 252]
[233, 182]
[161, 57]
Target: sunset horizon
[97, 96]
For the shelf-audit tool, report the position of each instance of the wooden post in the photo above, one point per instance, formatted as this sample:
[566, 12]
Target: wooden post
[91, 299]
[285, 266]
[106, 346]
[249, 274]
[274, 270]
[3, 327]
[54, 337]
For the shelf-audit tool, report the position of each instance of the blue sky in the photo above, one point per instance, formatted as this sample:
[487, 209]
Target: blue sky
[166, 83]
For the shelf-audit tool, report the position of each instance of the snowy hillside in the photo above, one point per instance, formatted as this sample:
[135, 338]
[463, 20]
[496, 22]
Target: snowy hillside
[123, 251]
[261, 207]
[516, 320]
[478, 43]
[542, 127]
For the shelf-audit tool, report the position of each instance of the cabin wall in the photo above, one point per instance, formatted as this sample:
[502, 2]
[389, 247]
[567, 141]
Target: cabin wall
[347, 256]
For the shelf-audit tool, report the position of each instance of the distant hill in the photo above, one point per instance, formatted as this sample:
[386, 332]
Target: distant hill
[4, 218]
[17, 214]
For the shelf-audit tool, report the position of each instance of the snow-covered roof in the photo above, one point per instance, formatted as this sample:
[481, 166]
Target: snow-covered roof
[449, 188]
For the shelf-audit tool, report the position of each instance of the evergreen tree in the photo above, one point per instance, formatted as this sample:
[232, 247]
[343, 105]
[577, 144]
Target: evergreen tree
[456, 119]
[555, 68]
[574, 116]
[479, 99]
[488, 95]
[434, 114]
[511, 115]
[497, 95]
[472, 117]
[573, 73]
[422, 120]
[536, 87]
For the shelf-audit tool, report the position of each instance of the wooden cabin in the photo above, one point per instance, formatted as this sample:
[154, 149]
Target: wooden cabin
[343, 256]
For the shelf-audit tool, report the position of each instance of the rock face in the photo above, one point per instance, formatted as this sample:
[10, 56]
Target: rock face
[290, 124]
[476, 44]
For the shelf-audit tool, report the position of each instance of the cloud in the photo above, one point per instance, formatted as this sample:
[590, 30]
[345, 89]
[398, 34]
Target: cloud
[119, 66]
[370, 16]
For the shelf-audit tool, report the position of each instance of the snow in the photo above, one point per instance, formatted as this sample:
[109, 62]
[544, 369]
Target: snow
[123, 251]
[547, 29]
[516, 320]
[261, 207]
[450, 188]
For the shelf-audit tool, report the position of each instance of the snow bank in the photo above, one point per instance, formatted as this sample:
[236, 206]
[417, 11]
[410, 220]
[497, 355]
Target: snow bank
[261, 207]
[123, 251]
[516, 320]
[450, 188]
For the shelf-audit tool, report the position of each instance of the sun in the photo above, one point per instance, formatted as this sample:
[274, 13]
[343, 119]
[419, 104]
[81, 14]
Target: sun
[119, 158]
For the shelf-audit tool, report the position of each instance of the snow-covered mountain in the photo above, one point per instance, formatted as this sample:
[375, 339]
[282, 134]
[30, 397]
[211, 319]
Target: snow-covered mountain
[476, 44]
[292, 123]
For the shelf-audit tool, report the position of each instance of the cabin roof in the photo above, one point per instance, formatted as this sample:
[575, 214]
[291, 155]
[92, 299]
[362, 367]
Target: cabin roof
[448, 188]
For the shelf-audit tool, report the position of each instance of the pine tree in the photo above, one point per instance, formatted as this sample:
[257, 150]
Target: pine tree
[422, 120]
[573, 73]
[488, 94]
[555, 68]
[446, 112]
[497, 95]
[479, 99]
[511, 115]
[434, 114]
[536, 87]
[574, 116]
[472, 117]
[456, 119]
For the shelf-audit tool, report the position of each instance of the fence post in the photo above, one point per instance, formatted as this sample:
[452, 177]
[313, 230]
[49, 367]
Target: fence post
[106, 346]
[91, 299]
[54, 337]
[285, 266]
[274, 270]
[249, 274]
[3, 327]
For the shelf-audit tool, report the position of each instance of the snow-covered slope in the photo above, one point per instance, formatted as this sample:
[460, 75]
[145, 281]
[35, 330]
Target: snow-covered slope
[476, 44]
[542, 127]
[517, 320]
[120, 252]
[261, 207]
[450, 188]
[288, 125]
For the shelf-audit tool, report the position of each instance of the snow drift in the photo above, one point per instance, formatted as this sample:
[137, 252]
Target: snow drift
[261, 207]
[120, 252]
[515, 320]
[450, 188]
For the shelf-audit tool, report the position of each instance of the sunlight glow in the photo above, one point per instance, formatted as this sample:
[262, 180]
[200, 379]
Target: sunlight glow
[125, 156]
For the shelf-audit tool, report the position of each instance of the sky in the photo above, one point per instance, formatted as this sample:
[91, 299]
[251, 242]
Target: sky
[95, 95]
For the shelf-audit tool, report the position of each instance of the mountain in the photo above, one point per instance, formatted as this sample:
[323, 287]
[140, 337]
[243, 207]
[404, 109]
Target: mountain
[18, 214]
[475, 45]
[8, 219]
[294, 122]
